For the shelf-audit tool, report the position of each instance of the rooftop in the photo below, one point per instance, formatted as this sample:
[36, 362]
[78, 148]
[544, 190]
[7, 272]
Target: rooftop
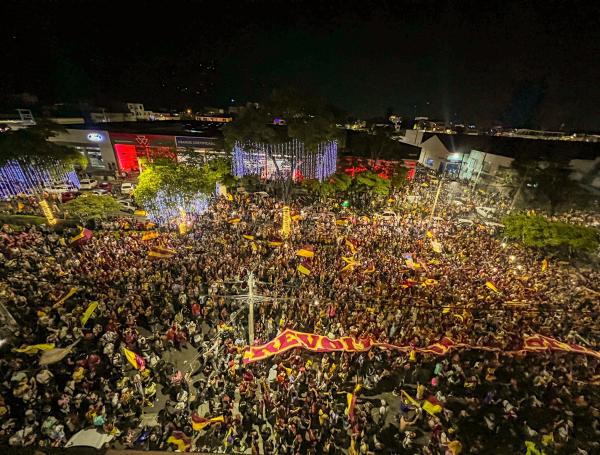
[163, 127]
[516, 146]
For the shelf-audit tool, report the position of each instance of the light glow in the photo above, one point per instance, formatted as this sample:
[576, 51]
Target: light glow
[284, 160]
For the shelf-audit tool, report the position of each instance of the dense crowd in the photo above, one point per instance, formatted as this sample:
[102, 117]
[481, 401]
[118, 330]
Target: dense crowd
[416, 278]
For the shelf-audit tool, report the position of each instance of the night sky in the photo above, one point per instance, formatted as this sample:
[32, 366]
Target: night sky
[520, 63]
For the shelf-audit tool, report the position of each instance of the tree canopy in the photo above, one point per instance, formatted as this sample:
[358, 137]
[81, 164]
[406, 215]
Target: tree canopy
[31, 146]
[180, 179]
[309, 119]
[92, 206]
[537, 231]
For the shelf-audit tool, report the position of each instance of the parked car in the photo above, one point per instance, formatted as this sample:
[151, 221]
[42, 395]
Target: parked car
[68, 196]
[106, 186]
[127, 188]
[100, 192]
[58, 189]
[485, 212]
[88, 184]
[128, 206]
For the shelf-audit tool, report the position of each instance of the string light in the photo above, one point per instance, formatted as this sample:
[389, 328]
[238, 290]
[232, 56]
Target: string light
[166, 208]
[29, 178]
[284, 160]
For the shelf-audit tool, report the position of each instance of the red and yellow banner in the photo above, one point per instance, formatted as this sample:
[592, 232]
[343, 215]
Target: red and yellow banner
[290, 339]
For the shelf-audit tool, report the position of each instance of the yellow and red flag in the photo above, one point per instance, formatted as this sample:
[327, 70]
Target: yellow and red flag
[370, 269]
[306, 252]
[135, 360]
[199, 423]
[179, 439]
[83, 237]
[350, 263]
[352, 244]
[149, 236]
[351, 400]
[157, 252]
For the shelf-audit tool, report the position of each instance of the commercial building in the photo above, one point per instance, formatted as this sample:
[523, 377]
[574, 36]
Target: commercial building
[488, 159]
[114, 149]
[95, 144]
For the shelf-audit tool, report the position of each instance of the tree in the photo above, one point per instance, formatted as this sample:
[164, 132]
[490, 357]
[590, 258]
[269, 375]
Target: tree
[179, 179]
[31, 146]
[91, 206]
[399, 177]
[307, 118]
[537, 231]
[371, 181]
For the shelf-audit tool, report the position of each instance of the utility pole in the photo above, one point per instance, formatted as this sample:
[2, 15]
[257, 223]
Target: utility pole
[251, 308]
[435, 201]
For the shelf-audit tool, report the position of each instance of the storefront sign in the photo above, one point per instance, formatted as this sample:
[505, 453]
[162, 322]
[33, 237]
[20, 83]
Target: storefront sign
[195, 142]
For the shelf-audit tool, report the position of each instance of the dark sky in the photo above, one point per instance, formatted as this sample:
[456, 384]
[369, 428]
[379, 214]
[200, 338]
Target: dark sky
[522, 63]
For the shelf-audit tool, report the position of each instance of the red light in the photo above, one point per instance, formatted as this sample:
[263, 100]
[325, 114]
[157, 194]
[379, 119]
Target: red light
[127, 157]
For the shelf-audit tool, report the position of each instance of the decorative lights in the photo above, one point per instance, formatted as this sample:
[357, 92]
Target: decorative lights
[166, 209]
[284, 160]
[17, 178]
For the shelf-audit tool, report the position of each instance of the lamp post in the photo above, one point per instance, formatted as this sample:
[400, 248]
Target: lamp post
[251, 308]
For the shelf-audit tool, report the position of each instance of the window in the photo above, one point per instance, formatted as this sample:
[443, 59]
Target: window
[95, 158]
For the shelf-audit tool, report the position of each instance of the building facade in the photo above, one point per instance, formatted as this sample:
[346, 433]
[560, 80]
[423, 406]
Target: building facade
[94, 144]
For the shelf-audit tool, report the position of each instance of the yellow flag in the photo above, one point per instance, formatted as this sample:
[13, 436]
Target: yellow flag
[46, 210]
[436, 246]
[410, 399]
[491, 286]
[305, 253]
[180, 443]
[88, 313]
[149, 236]
[248, 237]
[544, 265]
[431, 408]
[286, 222]
[429, 234]
[303, 270]
[34, 348]
[66, 296]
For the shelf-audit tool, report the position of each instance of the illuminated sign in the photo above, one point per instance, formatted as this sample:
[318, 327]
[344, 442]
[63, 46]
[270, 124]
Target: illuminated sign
[197, 142]
[95, 137]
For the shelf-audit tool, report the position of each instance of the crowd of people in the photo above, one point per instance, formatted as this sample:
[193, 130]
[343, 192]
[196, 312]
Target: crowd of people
[414, 279]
